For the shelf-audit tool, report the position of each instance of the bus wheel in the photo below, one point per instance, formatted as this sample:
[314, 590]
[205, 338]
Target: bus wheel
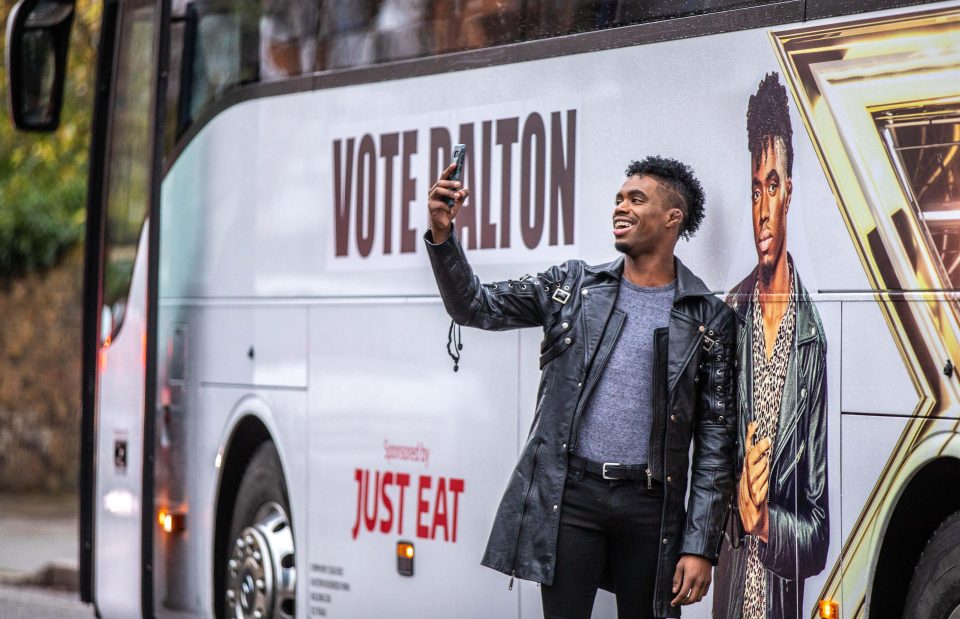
[935, 589]
[261, 573]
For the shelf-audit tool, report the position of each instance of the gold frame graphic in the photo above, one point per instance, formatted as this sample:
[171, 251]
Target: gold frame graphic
[841, 75]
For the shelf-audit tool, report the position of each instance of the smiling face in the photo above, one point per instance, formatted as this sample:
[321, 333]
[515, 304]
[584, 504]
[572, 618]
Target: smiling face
[771, 189]
[643, 218]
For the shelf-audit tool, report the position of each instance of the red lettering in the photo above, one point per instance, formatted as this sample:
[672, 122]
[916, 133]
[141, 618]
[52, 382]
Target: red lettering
[387, 522]
[403, 480]
[370, 520]
[456, 487]
[432, 517]
[440, 511]
[422, 506]
[359, 477]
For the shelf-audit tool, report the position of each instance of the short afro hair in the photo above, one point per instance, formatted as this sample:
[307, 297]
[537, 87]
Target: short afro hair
[687, 192]
[768, 118]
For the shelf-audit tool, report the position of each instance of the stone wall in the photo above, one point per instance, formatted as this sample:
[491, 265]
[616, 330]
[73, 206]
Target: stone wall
[40, 338]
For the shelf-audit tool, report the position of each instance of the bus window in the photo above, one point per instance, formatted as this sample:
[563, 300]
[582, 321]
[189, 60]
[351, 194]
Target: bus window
[226, 44]
[128, 180]
[288, 38]
[924, 145]
[348, 33]
[404, 29]
[220, 55]
[171, 125]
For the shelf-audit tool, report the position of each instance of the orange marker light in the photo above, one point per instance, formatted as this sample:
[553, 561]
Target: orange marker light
[170, 522]
[405, 558]
[829, 609]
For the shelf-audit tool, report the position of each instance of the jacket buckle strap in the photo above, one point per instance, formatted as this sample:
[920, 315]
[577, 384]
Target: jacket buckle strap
[708, 343]
[561, 296]
[608, 475]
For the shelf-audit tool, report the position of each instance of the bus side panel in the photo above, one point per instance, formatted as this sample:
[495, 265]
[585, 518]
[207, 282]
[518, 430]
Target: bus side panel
[404, 449]
[119, 479]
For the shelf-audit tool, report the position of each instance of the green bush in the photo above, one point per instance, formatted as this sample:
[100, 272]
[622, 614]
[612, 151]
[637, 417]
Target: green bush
[43, 176]
[38, 225]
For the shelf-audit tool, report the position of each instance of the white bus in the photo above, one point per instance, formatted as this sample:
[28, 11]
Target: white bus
[271, 424]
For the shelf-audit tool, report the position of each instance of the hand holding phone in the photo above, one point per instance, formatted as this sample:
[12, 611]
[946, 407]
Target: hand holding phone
[447, 195]
[459, 152]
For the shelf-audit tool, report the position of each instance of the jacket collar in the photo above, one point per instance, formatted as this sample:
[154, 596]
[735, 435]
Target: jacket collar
[741, 300]
[688, 284]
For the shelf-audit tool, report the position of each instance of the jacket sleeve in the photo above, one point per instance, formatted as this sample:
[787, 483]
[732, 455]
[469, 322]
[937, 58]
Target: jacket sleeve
[798, 536]
[711, 481]
[495, 306]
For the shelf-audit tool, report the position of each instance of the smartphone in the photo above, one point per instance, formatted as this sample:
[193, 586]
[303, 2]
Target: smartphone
[459, 151]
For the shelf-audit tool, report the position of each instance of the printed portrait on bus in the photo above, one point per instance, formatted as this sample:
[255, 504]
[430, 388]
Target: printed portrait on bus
[778, 529]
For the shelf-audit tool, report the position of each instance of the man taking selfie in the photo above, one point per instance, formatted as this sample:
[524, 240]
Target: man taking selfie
[637, 362]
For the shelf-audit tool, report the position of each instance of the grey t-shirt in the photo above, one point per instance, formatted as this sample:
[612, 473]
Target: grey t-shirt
[616, 421]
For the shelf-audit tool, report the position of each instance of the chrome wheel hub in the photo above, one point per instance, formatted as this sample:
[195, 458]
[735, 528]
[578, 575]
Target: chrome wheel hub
[261, 572]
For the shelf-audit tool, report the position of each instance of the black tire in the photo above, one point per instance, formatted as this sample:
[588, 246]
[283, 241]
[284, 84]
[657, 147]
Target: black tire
[935, 588]
[263, 484]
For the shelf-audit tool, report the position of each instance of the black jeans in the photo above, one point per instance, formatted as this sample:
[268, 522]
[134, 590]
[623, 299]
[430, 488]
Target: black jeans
[605, 526]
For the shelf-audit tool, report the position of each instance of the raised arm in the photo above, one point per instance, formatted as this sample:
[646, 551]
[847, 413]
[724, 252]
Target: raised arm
[494, 306]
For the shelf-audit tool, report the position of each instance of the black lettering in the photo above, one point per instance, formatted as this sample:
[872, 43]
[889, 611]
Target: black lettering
[342, 184]
[408, 193]
[439, 152]
[563, 175]
[389, 148]
[366, 196]
[467, 217]
[488, 229]
[532, 211]
[507, 133]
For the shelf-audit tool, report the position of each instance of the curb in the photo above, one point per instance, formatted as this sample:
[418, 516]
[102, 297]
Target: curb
[54, 575]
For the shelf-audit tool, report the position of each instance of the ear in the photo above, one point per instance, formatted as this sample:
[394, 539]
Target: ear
[675, 218]
[789, 187]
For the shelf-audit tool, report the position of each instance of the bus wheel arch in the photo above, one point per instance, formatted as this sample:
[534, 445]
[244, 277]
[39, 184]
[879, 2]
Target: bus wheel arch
[249, 443]
[920, 510]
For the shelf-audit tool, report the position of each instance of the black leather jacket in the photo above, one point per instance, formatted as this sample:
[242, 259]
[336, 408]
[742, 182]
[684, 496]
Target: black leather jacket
[799, 525]
[693, 400]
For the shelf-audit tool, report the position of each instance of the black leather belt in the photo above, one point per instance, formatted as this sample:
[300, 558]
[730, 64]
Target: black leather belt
[609, 470]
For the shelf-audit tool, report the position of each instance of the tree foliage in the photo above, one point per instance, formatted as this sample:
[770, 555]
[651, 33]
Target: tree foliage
[43, 177]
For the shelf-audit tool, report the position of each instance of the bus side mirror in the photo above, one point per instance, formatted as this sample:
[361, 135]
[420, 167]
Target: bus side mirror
[38, 34]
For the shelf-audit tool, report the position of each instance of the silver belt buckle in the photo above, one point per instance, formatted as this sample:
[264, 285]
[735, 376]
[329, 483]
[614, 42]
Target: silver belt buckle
[561, 296]
[605, 465]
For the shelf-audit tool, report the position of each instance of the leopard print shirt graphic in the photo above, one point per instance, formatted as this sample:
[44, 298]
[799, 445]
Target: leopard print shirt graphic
[769, 376]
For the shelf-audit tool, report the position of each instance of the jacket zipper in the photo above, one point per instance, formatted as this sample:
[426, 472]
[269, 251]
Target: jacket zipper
[658, 427]
[575, 438]
[523, 514]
